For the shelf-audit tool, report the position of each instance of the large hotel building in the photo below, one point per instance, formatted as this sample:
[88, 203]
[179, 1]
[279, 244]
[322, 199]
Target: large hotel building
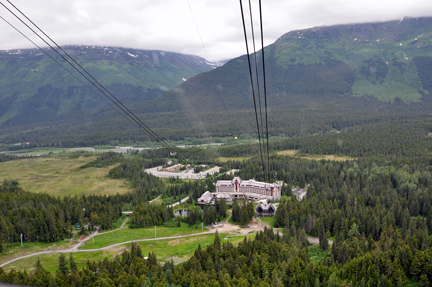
[251, 189]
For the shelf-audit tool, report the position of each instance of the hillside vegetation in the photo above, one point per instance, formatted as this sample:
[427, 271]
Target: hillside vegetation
[61, 176]
[318, 80]
[36, 89]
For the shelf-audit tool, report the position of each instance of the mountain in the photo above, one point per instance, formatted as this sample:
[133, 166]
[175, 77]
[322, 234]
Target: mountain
[318, 80]
[385, 60]
[34, 87]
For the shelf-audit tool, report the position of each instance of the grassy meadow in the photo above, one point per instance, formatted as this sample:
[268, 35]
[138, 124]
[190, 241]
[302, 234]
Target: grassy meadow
[14, 249]
[128, 234]
[292, 152]
[50, 261]
[178, 250]
[61, 176]
[269, 220]
[225, 159]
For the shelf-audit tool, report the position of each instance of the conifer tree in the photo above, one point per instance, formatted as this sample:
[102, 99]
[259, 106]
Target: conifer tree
[323, 242]
[62, 263]
[217, 243]
[72, 264]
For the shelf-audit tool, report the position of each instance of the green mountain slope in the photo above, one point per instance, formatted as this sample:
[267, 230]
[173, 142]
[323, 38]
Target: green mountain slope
[384, 60]
[34, 88]
[344, 75]
[387, 57]
[318, 80]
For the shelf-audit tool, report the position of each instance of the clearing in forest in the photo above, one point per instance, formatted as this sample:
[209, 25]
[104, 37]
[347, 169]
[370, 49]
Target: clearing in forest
[293, 152]
[177, 249]
[225, 159]
[61, 176]
[128, 234]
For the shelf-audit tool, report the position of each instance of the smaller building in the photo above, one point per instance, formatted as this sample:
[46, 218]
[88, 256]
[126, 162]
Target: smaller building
[210, 198]
[266, 210]
[206, 198]
[220, 196]
[173, 168]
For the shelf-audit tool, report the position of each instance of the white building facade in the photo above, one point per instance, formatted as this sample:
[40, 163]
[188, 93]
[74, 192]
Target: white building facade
[251, 189]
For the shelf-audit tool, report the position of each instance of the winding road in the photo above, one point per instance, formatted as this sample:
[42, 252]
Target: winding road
[226, 228]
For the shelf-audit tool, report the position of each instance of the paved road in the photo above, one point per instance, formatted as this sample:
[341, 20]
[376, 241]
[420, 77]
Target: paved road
[118, 149]
[75, 248]
[182, 175]
[232, 171]
[227, 228]
[178, 202]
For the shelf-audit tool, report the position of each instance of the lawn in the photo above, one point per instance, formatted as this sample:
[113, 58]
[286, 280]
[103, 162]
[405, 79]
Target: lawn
[128, 234]
[177, 249]
[269, 220]
[61, 176]
[285, 198]
[182, 248]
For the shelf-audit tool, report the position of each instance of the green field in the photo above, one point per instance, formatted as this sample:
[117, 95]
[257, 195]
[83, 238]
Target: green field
[15, 249]
[128, 234]
[50, 261]
[285, 198]
[225, 159]
[177, 249]
[181, 249]
[61, 176]
[293, 152]
[269, 220]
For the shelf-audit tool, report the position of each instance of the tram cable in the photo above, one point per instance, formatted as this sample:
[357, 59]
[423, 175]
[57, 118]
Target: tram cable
[251, 79]
[256, 71]
[101, 88]
[265, 89]
[76, 64]
[46, 53]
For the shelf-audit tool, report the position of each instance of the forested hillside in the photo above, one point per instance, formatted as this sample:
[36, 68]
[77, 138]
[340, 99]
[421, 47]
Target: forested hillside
[36, 90]
[318, 79]
[372, 215]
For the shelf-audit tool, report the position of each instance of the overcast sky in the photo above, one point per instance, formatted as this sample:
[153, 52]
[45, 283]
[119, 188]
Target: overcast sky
[169, 25]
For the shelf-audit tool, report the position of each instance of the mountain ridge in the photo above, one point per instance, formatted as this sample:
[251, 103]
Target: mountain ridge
[318, 79]
[133, 75]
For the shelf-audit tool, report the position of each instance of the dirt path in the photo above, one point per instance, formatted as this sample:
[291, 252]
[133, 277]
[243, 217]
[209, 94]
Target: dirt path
[122, 226]
[155, 198]
[65, 167]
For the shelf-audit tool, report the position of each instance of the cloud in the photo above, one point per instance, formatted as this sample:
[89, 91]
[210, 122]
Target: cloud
[169, 24]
